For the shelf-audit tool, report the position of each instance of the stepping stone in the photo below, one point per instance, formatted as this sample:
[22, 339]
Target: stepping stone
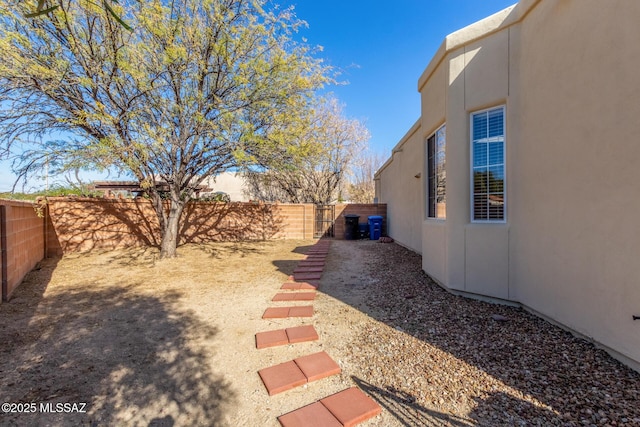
[297, 372]
[305, 263]
[301, 334]
[276, 313]
[315, 414]
[317, 366]
[282, 377]
[303, 311]
[308, 269]
[298, 285]
[283, 312]
[294, 296]
[271, 338]
[303, 277]
[351, 406]
[279, 337]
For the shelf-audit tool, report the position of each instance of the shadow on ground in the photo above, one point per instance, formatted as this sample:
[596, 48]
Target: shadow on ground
[130, 357]
[287, 266]
[404, 408]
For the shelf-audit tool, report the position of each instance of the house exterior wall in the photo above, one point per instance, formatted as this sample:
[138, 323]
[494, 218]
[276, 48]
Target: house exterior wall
[231, 183]
[575, 235]
[566, 73]
[402, 190]
[434, 112]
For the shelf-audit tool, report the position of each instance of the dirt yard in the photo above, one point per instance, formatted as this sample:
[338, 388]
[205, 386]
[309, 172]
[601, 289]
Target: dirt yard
[144, 342]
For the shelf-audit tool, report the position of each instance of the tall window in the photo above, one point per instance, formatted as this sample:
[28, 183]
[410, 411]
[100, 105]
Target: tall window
[488, 164]
[437, 175]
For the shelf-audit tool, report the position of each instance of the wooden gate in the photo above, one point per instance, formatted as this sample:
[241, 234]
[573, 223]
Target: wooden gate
[325, 219]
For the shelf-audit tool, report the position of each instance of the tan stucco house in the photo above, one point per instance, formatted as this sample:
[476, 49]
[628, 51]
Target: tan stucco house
[520, 181]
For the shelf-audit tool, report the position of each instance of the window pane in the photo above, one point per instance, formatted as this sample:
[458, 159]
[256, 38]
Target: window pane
[495, 153]
[496, 122]
[479, 126]
[480, 180]
[488, 165]
[480, 209]
[479, 154]
[431, 174]
[496, 207]
[436, 185]
[495, 179]
[440, 139]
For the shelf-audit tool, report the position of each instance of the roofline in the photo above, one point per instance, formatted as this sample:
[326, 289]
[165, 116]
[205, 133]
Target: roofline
[478, 30]
[398, 147]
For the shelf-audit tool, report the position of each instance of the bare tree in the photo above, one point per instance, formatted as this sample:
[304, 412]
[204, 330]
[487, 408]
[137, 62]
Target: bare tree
[317, 164]
[197, 87]
[361, 185]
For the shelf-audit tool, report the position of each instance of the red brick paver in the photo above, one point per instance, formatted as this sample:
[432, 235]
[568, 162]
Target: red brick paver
[303, 277]
[301, 334]
[351, 406]
[279, 337]
[276, 313]
[282, 312]
[298, 285]
[271, 338]
[302, 370]
[314, 269]
[311, 415]
[303, 311]
[318, 252]
[294, 296]
[282, 377]
[317, 366]
[311, 263]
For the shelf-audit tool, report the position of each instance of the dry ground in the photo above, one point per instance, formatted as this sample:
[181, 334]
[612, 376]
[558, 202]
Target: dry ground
[162, 343]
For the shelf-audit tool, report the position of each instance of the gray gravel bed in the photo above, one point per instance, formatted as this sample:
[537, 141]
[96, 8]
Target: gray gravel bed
[433, 358]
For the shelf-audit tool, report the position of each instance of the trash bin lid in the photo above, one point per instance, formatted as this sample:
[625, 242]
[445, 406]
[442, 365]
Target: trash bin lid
[374, 217]
[351, 216]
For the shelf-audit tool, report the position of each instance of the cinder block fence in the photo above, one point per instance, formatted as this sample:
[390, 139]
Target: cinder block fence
[29, 232]
[22, 239]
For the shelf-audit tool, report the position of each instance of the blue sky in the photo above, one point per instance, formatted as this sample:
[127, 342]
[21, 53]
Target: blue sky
[382, 48]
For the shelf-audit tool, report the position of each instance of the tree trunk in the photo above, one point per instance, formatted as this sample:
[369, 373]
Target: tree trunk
[169, 229]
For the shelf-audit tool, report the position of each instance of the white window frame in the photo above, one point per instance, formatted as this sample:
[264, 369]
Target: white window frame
[426, 143]
[504, 163]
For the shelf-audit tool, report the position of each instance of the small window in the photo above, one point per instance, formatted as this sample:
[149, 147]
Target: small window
[437, 175]
[488, 165]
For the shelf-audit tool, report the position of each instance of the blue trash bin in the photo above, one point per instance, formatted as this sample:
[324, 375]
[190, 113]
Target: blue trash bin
[375, 227]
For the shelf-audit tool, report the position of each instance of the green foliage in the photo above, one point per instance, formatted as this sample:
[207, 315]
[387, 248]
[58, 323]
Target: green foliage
[218, 196]
[198, 87]
[54, 191]
[43, 10]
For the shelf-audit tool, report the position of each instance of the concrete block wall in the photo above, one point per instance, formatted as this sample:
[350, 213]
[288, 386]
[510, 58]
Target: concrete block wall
[364, 210]
[78, 225]
[30, 232]
[296, 221]
[23, 242]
